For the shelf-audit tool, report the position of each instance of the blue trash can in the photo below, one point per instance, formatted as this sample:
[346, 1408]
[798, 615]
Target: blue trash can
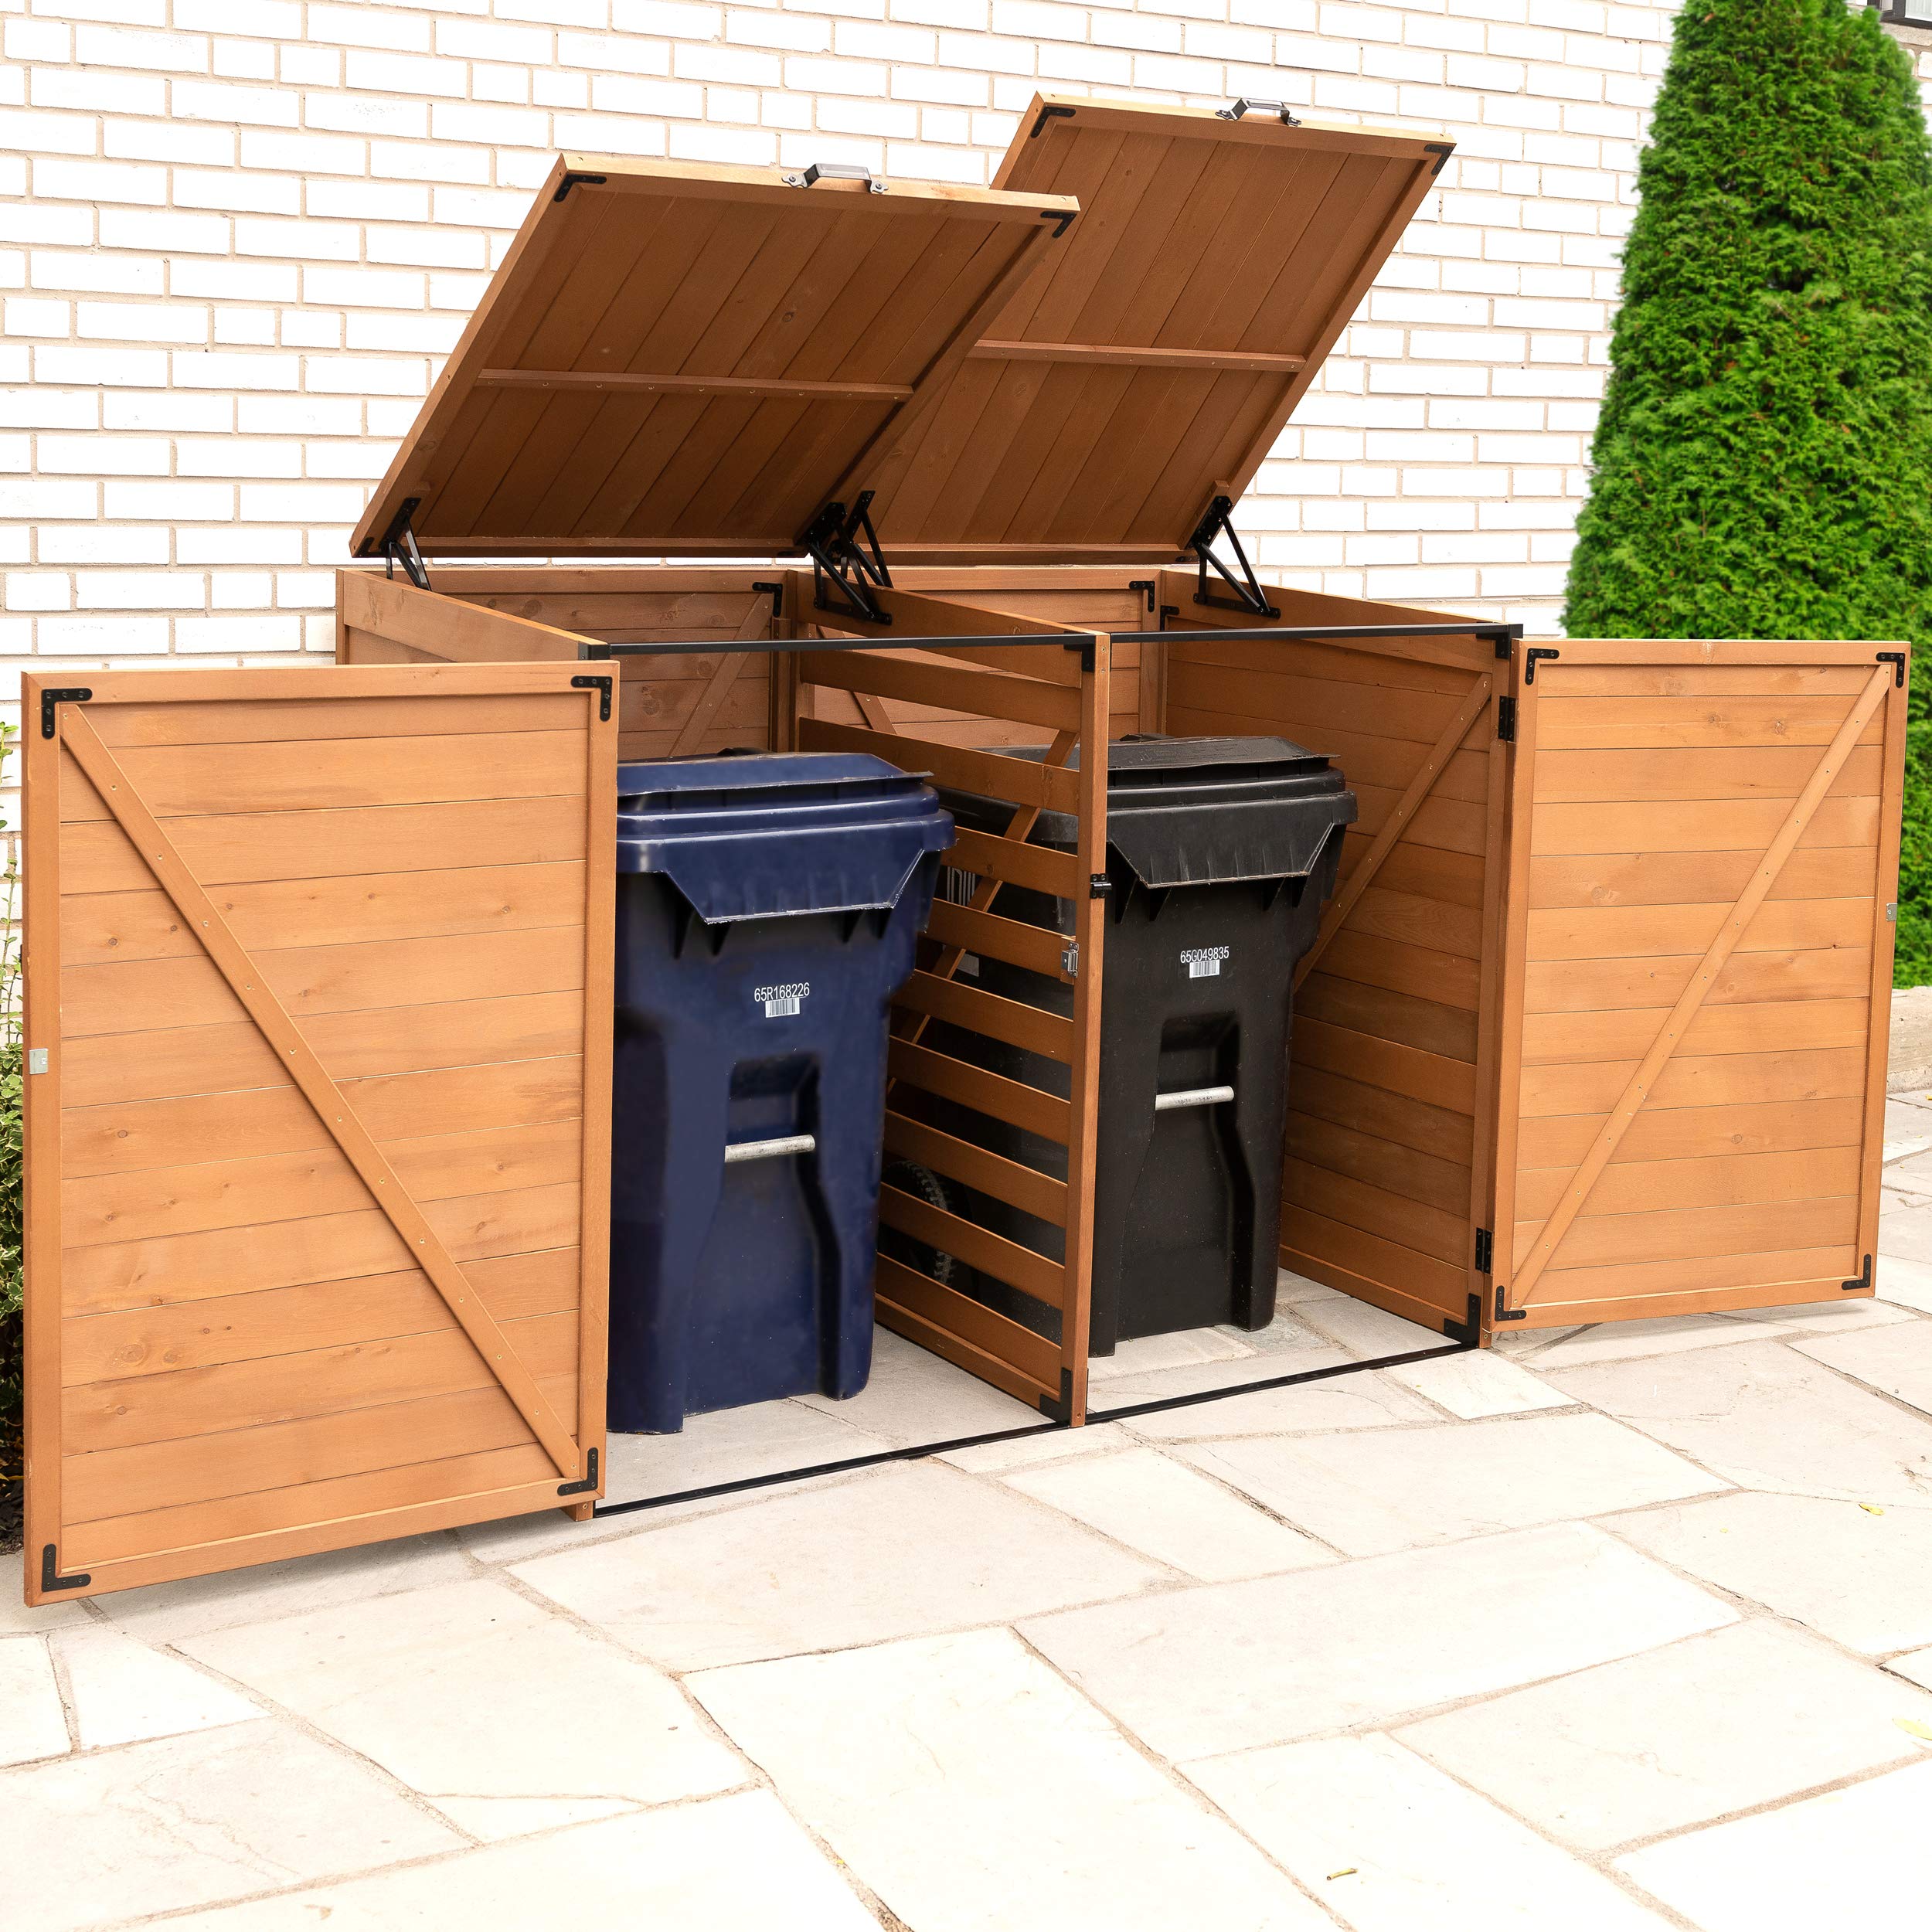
[767, 908]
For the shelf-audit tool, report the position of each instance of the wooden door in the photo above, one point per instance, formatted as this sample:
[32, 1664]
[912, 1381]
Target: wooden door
[1387, 1188]
[1704, 842]
[317, 1023]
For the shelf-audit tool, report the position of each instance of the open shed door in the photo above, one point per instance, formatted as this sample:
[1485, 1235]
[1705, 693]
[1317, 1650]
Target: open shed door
[1704, 845]
[286, 930]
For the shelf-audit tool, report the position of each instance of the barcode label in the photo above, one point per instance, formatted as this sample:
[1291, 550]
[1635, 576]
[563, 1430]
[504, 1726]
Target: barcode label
[1204, 969]
[781, 1002]
[781, 1009]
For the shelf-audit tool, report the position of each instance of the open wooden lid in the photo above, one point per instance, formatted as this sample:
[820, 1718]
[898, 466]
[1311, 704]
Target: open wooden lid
[681, 360]
[1149, 364]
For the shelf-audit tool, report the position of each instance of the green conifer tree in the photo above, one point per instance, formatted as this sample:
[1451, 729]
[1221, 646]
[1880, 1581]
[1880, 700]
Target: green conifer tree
[1763, 466]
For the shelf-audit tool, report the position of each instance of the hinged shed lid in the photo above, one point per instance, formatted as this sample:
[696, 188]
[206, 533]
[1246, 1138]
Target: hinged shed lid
[683, 360]
[1149, 365]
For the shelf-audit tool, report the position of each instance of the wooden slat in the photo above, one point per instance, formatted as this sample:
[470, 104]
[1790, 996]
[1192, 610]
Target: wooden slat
[121, 789]
[1039, 1195]
[1727, 824]
[1686, 879]
[1622, 932]
[1440, 1081]
[1379, 1163]
[1709, 1080]
[1108, 355]
[1679, 1233]
[1693, 1284]
[1438, 1283]
[1019, 1268]
[1702, 773]
[1019, 781]
[1655, 723]
[1728, 1180]
[1012, 1101]
[1568, 1038]
[1039, 868]
[593, 383]
[1034, 947]
[933, 1317]
[984, 693]
[1018, 1025]
[1586, 986]
[1732, 1127]
[1399, 1217]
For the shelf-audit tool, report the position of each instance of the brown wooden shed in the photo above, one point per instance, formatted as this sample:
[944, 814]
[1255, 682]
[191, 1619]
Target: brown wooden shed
[1594, 1027]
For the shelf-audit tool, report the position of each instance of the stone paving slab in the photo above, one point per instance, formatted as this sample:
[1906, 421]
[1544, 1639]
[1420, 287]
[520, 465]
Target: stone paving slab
[188, 1821]
[1368, 1400]
[735, 1864]
[122, 1690]
[1224, 1667]
[469, 1692]
[974, 1791]
[1862, 1577]
[1769, 1418]
[1397, 1489]
[1171, 1514]
[1849, 1860]
[1389, 1844]
[1477, 1385]
[1677, 1737]
[907, 1549]
[1898, 1365]
[33, 1722]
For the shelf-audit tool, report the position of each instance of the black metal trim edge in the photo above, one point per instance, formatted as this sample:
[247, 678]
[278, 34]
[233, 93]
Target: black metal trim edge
[920, 1451]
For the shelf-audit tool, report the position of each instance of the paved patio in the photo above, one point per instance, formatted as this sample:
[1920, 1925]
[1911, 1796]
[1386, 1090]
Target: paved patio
[1614, 1628]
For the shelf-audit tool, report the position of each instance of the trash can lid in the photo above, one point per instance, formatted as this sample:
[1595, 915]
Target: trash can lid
[1207, 811]
[767, 834]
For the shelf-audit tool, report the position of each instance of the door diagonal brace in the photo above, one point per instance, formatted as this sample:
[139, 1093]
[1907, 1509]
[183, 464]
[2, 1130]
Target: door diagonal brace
[1398, 821]
[1643, 1082]
[358, 1146]
[758, 622]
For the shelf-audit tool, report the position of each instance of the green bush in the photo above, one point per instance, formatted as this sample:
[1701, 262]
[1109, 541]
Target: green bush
[1763, 466]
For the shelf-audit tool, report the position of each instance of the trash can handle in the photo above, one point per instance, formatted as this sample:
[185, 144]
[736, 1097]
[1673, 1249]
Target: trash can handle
[1193, 1096]
[770, 1150]
[1280, 109]
[835, 171]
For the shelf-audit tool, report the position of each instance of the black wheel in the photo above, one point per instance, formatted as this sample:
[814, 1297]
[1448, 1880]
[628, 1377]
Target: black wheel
[923, 1184]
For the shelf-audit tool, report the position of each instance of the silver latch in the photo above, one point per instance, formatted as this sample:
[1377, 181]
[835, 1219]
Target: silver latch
[37, 1060]
[1070, 959]
[834, 171]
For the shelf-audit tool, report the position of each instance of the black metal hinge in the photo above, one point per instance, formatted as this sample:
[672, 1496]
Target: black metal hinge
[67, 694]
[1534, 655]
[1504, 1314]
[50, 1576]
[1896, 660]
[590, 1481]
[1099, 886]
[398, 546]
[1506, 720]
[839, 560]
[1485, 1249]
[1863, 1281]
[1046, 114]
[1218, 522]
[602, 687]
[1060, 1409]
[572, 179]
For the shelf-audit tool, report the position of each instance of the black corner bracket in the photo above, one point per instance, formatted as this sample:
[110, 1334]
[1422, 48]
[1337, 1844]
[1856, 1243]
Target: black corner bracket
[1442, 149]
[1060, 1408]
[1504, 1312]
[1896, 660]
[590, 1481]
[67, 694]
[573, 178]
[1085, 646]
[1534, 655]
[776, 594]
[1863, 1281]
[602, 687]
[1469, 1332]
[1065, 220]
[1046, 114]
[50, 1576]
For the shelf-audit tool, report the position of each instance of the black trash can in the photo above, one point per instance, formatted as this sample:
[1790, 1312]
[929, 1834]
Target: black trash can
[767, 909]
[1221, 852]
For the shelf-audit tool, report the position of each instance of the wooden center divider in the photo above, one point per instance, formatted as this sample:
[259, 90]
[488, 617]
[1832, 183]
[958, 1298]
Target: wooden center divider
[1062, 695]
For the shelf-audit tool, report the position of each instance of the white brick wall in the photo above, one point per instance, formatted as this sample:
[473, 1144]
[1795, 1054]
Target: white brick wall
[236, 235]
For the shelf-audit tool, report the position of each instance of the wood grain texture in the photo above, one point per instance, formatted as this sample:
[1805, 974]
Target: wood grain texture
[224, 1243]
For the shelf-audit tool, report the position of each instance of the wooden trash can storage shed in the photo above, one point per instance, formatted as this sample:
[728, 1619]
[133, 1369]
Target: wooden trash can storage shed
[1595, 1026]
